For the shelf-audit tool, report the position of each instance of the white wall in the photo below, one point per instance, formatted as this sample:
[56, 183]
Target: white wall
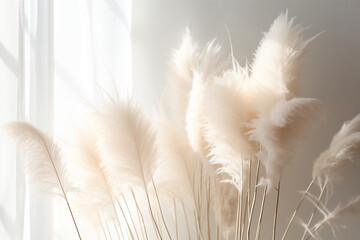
[331, 69]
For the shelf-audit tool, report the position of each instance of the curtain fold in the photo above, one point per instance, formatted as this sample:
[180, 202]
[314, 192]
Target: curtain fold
[20, 176]
[51, 55]
[12, 187]
[39, 76]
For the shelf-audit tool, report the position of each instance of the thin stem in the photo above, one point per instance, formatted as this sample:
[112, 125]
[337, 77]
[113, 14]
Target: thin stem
[72, 215]
[117, 231]
[249, 186]
[147, 193]
[238, 216]
[151, 212]
[253, 200]
[261, 214]
[141, 225]
[103, 230]
[247, 209]
[196, 228]
[200, 193]
[62, 188]
[276, 210]
[107, 227]
[131, 217]
[208, 209]
[216, 212]
[176, 222]
[316, 229]
[316, 207]
[126, 221]
[240, 206]
[244, 218]
[221, 230]
[102, 225]
[161, 213]
[113, 204]
[297, 208]
[186, 219]
[139, 211]
[158, 220]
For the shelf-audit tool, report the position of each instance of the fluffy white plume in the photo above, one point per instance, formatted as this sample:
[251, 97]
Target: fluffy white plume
[178, 164]
[282, 129]
[194, 116]
[178, 85]
[96, 191]
[185, 58]
[209, 66]
[277, 60]
[43, 161]
[88, 217]
[126, 143]
[344, 148]
[211, 62]
[280, 118]
[227, 115]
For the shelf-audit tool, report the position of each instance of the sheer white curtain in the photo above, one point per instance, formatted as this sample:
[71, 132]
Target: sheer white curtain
[51, 53]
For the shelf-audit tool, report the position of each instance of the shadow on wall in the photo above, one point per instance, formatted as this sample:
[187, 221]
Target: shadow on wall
[8, 59]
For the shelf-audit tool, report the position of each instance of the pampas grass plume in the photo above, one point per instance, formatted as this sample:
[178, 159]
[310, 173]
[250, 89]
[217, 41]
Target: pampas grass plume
[43, 160]
[126, 142]
[344, 148]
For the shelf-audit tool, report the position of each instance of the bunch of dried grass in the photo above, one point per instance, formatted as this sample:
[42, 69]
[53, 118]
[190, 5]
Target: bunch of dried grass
[201, 157]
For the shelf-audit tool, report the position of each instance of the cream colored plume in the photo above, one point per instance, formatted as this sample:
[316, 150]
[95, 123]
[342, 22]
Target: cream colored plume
[210, 64]
[175, 100]
[43, 160]
[227, 116]
[344, 148]
[280, 117]
[282, 130]
[89, 220]
[126, 144]
[194, 116]
[178, 164]
[276, 66]
[96, 192]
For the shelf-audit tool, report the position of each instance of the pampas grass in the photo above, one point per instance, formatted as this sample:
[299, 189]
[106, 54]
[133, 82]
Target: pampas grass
[126, 143]
[281, 130]
[175, 99]
[226, 127]
[344, 148]
[127, 146]
[43, 161]
[95, 188]
[177, 163]
[210, 65]
[204, 166]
